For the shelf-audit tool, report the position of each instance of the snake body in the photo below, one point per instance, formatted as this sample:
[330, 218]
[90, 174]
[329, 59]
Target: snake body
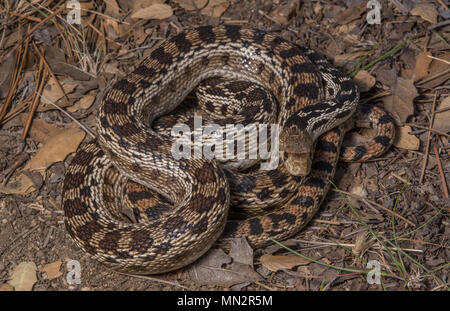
[315, 101]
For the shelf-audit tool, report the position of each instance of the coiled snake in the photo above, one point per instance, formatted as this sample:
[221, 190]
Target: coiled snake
[314, 100]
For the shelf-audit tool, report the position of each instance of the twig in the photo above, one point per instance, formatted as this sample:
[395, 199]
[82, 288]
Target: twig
[377, 205]
[41, 55]
[42, 73]
[441, 172]
[154, 280]
[443, 4]
[86, 129]
[439, 59]
[427, 128]
[30, 32]
[433, 77]
[427, 146]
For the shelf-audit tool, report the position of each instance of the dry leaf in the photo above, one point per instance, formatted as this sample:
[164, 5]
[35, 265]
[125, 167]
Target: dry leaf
[283, 13]
[139, 4]
[61, 143]
[241, 251]
[52, 93]
[350, 14]
[342, 59]
[405, 140]
[208, 270]
[400, 104]
[442, 119]
[215, 8]
[422, 64]
[22, 185]
[40, 129]
[187, 4]
[24, 276]
[52, 270]
[275, 262]
[112, 28]
[364, 80]
[426, 11]
[84, 103]
[437, 67]
[154, 11]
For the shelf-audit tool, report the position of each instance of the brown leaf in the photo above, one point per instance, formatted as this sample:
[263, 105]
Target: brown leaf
[24, 276]
[52, 93]
[426, 11]
[350, 14]
[341, 59]
[208, 270]
[400, 104]
[436, 67]
[275, 262]
[112, 27]
[215, 8]
[187, 4]
[52, 270]
[405, 140]
[84, 103]
[421, 67]
[283, 13]
[442, 119]
[364, 80]
[60, 143]
[241, 251]
[22, 185]
[154, 11]
[140, 4]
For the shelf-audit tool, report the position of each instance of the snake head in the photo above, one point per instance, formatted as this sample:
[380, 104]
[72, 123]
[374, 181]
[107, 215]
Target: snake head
[296, 148]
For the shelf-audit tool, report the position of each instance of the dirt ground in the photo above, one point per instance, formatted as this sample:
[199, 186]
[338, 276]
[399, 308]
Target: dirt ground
[393, 209]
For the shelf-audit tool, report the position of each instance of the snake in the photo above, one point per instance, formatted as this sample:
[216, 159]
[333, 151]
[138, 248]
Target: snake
[316, 104]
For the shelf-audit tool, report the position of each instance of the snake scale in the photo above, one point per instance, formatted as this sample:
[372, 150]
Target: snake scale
[316, 103]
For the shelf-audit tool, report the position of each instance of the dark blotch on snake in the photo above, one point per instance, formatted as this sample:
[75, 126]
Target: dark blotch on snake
[315, 182]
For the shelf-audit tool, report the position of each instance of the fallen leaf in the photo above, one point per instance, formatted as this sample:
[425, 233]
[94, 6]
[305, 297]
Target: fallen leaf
[276, 262]
[188, 4]
[154, 11]
[24, 276]
[350, 14]
[437, 67]
[208, 270]
[112, 27]
[405, 140]
[241, 251]
[400, 104]
[139, 4]
[441, 119]
[84, 103]
[22, 185]
[422, 64]
[341, 59]
[215, 8]
[426, 11]
[61, 143]
[52, 93]
[364, 80]
[283, 13]
[40, 129]
[52, 270]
